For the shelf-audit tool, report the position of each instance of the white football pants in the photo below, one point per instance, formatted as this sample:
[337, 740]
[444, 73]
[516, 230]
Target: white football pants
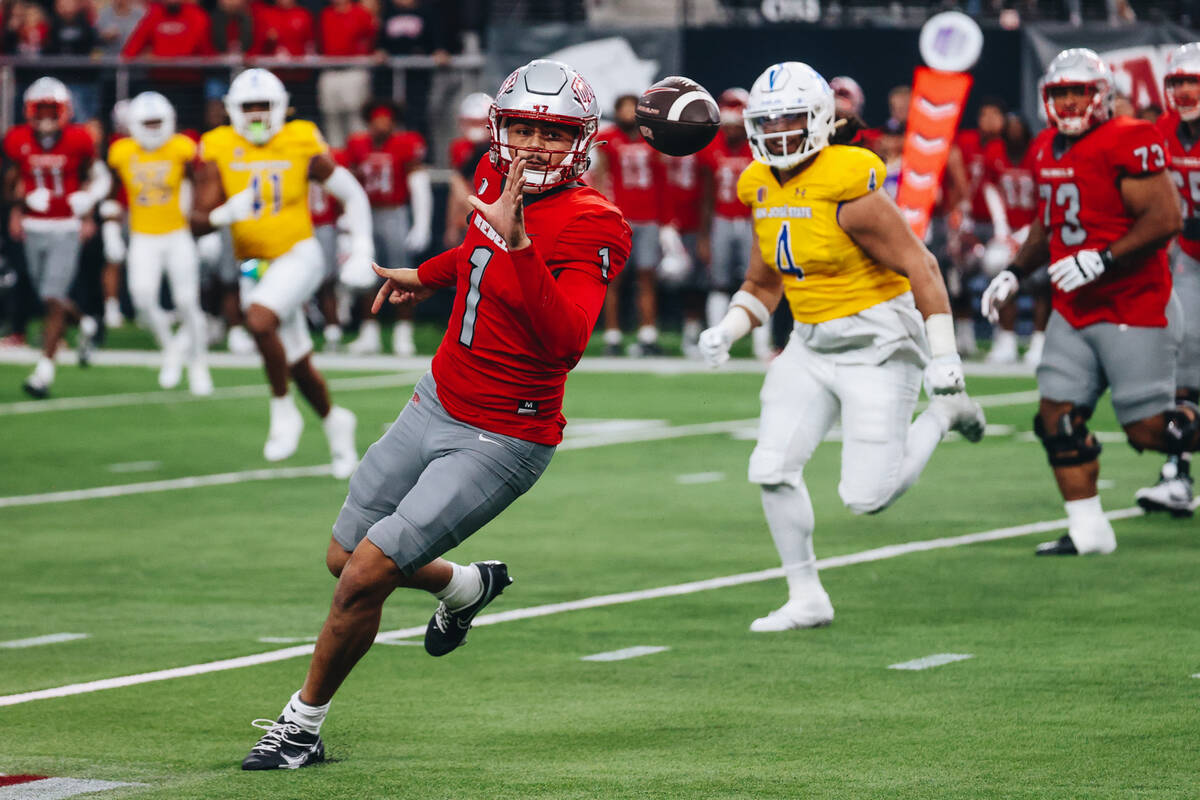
[289, 282]
[149, 256]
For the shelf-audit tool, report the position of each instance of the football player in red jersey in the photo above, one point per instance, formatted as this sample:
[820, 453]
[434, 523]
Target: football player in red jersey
[325, 210]
[472, 144]
[1106, 210]
[390, 164]
[56, 180]
[630, 172]
[1180, 126]
[530, 276]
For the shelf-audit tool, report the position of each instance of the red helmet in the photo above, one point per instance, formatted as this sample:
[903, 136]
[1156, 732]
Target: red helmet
[1079, 67]
[1183, 62]
[47, 92]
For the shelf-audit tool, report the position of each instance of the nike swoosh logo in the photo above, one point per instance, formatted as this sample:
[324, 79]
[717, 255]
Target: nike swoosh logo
[483, 438]
[293, 761]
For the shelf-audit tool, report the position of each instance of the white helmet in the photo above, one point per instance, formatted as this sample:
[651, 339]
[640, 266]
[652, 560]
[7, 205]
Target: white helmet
[787, 90]
[473, 116]
[47, 91]
[548, 91]
[1079, 67]
[1182, 62]
[151, 120]
[257, 86]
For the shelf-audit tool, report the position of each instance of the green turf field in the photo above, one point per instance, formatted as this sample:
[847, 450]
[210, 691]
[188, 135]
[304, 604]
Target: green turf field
[1080, 685]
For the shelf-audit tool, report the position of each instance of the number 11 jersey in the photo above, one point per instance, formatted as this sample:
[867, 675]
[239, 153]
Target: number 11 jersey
[1079, 201]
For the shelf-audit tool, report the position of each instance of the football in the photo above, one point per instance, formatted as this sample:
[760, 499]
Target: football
[677, 116]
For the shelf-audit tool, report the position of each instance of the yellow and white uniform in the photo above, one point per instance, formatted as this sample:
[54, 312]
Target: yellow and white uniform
[858, 349]
[156, 186]
[282, 263]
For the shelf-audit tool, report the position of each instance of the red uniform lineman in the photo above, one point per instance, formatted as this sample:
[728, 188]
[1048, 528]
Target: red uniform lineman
[1106, 210]
[530, 276]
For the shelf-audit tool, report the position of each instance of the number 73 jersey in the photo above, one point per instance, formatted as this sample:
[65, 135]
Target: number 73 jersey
[277, 172]
[1079, 202]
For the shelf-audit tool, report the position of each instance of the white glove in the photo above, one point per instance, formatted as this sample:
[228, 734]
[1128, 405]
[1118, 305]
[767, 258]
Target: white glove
[114, 242]
[235, 209]
[38, 200]
[1080, 269]
[714, 344]
[81, 203]
[676, 262]
[997, 293]
[417, 241]
[208, 248]
[944, 375]
[356, 271]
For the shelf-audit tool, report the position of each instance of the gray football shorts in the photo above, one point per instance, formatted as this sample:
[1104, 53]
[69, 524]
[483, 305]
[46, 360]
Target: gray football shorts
[391, 229]
[1138, 364]
[1186, 272]
[645, 253]
[731, 242]
[52, 258]
[431, 481]
[326, 236]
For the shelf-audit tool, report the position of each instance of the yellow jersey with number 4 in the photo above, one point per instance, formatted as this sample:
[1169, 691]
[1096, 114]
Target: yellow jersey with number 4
[825, 274]
[277, 172]
[152, 180]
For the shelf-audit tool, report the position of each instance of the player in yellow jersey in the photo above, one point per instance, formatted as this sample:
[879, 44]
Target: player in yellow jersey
[253, 178]
[154, 164]
[859, 283]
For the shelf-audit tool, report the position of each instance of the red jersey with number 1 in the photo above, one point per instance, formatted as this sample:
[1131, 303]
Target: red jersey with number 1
[725, 162]
[383, 168]
[1184, 154]
[58, 168]
[521, 320]
[635, 172]
[1079, 201]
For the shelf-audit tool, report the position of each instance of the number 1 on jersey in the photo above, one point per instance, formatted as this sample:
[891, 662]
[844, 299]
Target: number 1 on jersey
[256, 186]
[480, 258]
[785, 262]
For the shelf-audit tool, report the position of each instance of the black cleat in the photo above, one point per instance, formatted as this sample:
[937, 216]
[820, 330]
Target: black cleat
[284, 746]
[36, 389]
[448, 629]
[613, 350]
[650, 350]
[1062, 546]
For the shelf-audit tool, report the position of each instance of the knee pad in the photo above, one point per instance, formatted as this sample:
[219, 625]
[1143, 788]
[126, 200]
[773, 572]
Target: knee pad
[1071, 443]
[1181, 430]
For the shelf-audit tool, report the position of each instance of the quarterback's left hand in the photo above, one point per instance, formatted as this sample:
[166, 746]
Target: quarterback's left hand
[417, 241]
[507, 214]
[944, 375]
[1079, 269]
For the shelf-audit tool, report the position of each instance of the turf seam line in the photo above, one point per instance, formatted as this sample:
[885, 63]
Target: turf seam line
[862, 557]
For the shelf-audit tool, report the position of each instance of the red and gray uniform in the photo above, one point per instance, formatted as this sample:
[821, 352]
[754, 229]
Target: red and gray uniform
[1184, 154]
[484, 422]
[635, 174]
[984, 162]
[382, 169]
[732, 234]
[1113, 331]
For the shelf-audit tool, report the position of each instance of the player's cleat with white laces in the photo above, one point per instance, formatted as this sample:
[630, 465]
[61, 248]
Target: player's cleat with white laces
[283, 437]
[1173, 494]
[285, 745]
[965, 415]
[199, 379]
[811, 612]
[448, 628]
[339, 426]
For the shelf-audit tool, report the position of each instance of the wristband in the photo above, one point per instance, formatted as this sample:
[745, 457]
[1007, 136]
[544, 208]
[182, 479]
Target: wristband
[1107, 259]
[752, 305]
[939, 330]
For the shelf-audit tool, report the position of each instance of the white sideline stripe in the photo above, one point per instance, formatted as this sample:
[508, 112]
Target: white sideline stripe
[37, 641]
[224, 393]
[57, 788]
[191, 482]
[621, 655]
[286, 639]
[134, 466]
[700, 477]
[935, 660]
[875, 554]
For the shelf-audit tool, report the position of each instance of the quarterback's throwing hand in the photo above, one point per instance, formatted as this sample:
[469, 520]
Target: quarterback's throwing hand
[714, 346]
[944, 375]
[507, 214]
[1078, 269]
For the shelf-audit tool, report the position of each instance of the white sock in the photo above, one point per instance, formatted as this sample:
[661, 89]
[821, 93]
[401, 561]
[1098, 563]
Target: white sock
[647, 334]
[612, 336]
[44, 370]
[1004, 340]
[789, 514]
[715, 307]
[691, 330]
[370, 327]
[464, 588]
[964, 335]
[309, 718]
[333, 334]
[112, 307]
[1037, 339]
[88, 326]
[1089, 529]
[282, 405]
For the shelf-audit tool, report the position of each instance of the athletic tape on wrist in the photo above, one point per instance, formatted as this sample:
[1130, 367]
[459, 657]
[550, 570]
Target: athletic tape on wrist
[753, 306]
[939, 330]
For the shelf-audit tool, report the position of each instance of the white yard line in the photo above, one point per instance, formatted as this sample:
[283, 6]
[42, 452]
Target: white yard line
[38, 641]
[57, 788]
[626, 653]
[699, 477]
[928, 662]
[875, 554]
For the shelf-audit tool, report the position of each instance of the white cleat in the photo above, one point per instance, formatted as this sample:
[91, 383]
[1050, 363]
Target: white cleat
[286, 426]
[113, 318]
[965, 415]
[368, 342]
[199, 380]
[172, 367]
[812, 612]
[1173, 494]
[240, 342]
[339, 430]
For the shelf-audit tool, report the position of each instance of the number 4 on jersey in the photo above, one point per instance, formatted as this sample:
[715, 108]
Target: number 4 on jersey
[785, 262]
